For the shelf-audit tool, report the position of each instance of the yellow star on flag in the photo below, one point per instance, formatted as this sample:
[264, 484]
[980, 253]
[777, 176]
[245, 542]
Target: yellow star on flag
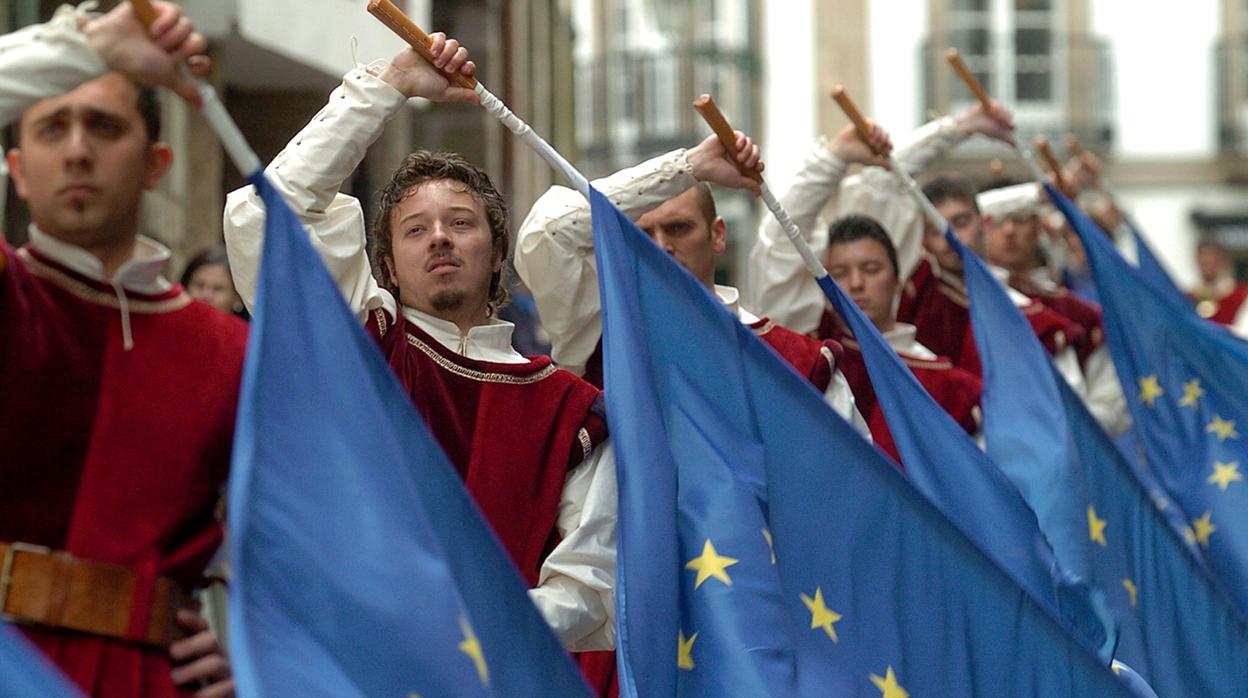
[1150, 389]
[684, 650]
[710, 564]
[1131, 590]
[1192, 393]
[1096, 528]
[1224, 428]
[1203, 528]
[471, 646]
[820, 615]
[1224, 474]
[770, 545]
[889, 688]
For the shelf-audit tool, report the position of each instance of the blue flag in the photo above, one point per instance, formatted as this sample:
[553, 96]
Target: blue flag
[1152, 270]
[1183, 634]
[765, 547]
[26, 673]
[1178, 628]
[361, 565]
[1025, 428]
[1186, 382]
[976, 495]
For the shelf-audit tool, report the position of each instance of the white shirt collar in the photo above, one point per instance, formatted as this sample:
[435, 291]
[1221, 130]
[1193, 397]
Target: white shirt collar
[488, 342]
[731, 297]
[141, 273]
[902, 339]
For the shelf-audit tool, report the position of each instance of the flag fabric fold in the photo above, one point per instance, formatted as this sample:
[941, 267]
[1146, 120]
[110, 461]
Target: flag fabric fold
[766, 548]
[971, 490]
[361, 566]
[1186, 382]
[26, 673]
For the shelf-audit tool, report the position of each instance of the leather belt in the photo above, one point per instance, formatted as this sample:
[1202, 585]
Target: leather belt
[50, 588]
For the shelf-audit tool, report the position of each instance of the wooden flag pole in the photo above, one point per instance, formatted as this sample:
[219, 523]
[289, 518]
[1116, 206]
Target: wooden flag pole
[401, 24]
[1042, 147]
[864, 129]
[715, 119]
[406, 29]
[232, 139]
[977, 88]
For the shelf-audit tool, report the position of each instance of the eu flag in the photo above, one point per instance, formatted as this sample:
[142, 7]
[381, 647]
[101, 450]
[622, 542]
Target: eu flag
[1186, 382]
[26, 673]
[765, 547]
[1154, 273]
[1183, 634]
[976, 495]
[361, 566]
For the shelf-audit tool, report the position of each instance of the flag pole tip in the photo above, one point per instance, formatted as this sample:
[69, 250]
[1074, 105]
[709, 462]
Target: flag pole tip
[951, 55]
[702, 100]
[838, 91]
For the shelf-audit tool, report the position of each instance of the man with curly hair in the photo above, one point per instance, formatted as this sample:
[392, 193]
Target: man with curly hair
[529, 440]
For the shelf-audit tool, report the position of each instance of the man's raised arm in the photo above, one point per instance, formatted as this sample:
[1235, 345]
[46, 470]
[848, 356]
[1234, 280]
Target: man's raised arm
[315, 163]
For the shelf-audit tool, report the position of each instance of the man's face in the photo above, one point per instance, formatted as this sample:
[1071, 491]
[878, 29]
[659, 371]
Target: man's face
[84, 160]
[443, 252]
[680, 227]
[863, 269]
[1211, 262]
[1013, 241]
[966, 224]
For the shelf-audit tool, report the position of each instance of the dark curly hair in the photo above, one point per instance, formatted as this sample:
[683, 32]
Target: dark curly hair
[418, 169]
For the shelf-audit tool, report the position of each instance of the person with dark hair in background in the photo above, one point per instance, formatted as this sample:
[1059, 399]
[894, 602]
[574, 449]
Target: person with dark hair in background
[207, 279]
[1218, 296]
[117, 391]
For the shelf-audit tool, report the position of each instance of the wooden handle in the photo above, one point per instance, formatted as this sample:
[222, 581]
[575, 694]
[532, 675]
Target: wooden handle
[401, 24]
[144, 11]
[855, 117]
[727, 138]
[972, 82]
[1042, 147]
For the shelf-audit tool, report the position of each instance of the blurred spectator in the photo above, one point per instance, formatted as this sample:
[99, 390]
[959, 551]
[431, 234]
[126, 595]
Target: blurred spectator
[1219, 297]
[207, 278]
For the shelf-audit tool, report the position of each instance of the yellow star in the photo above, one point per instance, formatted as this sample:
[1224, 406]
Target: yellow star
[1131, 590]
[1096, 528]
[770, 545]
[889, 688]
[1224, 474]
[1192, 392]
[472, 647]
[1203, 529]
[1224, 428]
[684, 650]
[710, 564]
[820, 615]
[1150, 389]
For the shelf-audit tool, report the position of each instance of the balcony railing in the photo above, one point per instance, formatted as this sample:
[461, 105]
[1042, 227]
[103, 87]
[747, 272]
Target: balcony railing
[1060, 84]
[634, 104]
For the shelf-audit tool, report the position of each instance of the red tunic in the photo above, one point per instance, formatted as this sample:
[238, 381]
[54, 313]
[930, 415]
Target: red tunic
[940, 311]
[1085, 315]
[1227, 307]
[513, 431]
[114, 456]
[954, 389]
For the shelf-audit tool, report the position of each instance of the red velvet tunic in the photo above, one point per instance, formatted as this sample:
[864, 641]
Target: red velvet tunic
[513, 431]
[1085, 315]
[954, 389]
[1227, 307]
[115, 456]
[940, 311]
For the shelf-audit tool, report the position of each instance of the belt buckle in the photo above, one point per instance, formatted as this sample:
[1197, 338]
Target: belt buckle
[6, 569]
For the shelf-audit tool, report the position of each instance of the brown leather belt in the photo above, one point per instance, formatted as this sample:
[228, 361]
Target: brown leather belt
[53, 589]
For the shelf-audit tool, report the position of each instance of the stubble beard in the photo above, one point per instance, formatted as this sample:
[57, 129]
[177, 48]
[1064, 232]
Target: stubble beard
[446, 301]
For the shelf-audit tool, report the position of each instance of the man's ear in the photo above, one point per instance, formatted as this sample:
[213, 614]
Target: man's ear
[387, 263]
[14, 158]
[159, 157]
[719, 235]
